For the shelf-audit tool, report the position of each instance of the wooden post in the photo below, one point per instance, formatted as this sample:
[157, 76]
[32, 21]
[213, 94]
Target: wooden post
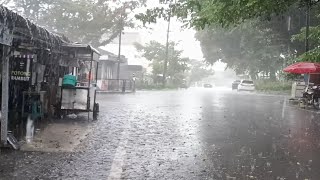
[95, 91]
[89, 86]
[5, 93]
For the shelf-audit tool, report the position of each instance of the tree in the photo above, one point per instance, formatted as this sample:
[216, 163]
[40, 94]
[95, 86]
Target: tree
[95, 22]
[314, 36]
[156, 53]
[314, 39]
[248, 48]
[199, 71]
[247, 35]
[223, 12]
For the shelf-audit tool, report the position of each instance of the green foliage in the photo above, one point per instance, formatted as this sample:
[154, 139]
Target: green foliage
[247, 48]
[199, 14]
[314, 36]
[237, 32]
[310, 56]
[314, 41]
[156, 53]
[179, 69]
[198, 71]
[267, 85]
[87, 21]
[228, 13]
[291, 76]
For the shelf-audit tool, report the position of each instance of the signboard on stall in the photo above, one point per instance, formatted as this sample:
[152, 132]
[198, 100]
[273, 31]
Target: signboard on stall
[21, 68]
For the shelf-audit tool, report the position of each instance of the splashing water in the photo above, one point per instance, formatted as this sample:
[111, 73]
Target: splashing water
[29, 129]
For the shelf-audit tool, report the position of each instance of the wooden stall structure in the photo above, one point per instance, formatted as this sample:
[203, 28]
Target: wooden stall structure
[84, 62]
[30, 72]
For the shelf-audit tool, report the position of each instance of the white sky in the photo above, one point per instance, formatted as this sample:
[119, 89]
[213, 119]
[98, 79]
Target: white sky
[187, 42]
[158, 32]
[190, 46]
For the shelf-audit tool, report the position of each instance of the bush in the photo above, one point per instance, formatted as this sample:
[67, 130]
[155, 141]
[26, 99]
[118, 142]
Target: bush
[267, 85]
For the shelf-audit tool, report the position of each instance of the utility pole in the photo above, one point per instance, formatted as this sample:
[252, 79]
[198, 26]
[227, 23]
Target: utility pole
[119, 56]
[119, 52]
[165, 65]
[120, 39]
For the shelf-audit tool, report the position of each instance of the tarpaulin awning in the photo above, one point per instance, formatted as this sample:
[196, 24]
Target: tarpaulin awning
[13, 24]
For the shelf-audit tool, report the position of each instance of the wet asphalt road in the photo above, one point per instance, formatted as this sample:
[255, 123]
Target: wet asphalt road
[186, 134]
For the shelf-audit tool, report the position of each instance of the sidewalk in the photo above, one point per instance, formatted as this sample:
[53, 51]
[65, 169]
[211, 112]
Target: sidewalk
[60, 136]
[114, 92]
[295, 104]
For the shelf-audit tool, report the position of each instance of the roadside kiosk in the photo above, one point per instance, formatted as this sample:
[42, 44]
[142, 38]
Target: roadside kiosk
[78, 88]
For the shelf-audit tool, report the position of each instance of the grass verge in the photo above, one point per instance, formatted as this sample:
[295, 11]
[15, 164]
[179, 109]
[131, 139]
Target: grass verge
[273, 86]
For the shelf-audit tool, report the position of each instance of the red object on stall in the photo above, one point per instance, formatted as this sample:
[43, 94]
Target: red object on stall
[303, 68]
[90, 76]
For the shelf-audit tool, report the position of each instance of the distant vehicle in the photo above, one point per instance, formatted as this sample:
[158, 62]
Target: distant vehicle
[235, 84]
[185, 86]
[246, 85]
[207, 86]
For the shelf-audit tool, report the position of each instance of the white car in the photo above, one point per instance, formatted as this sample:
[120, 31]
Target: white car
[246, 85]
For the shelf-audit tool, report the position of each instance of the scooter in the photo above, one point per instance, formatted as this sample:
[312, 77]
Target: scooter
[312, 96]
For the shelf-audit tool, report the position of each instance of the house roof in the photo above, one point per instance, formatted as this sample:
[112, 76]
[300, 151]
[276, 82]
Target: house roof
[104, 52]
[84, 47]
[109, 56]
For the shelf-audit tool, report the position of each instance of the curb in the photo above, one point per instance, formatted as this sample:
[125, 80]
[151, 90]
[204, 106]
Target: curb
[294, 103]
[104, 92]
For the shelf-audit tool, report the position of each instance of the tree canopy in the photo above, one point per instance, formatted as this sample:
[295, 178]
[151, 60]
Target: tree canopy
[251, 36]
[247, 48]
[314, 54]
[199, 14]
[180, 69]
[199, 70]
[155, 52]
[96, 22]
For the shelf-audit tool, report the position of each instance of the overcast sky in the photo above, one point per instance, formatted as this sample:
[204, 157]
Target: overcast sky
[158, 32]
[187, 42]
[190, 46]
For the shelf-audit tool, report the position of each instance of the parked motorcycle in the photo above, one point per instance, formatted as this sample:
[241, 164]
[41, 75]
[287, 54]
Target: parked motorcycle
[312, 96]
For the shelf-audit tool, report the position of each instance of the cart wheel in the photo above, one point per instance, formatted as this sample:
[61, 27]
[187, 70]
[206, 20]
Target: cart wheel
[95, 115]
[95, 111]
[96, 107]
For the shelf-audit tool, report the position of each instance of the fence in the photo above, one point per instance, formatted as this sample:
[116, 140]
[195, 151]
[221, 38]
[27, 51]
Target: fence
[115, 85]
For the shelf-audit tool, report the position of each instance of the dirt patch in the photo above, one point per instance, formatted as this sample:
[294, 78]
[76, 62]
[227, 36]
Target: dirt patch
[59, 137]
